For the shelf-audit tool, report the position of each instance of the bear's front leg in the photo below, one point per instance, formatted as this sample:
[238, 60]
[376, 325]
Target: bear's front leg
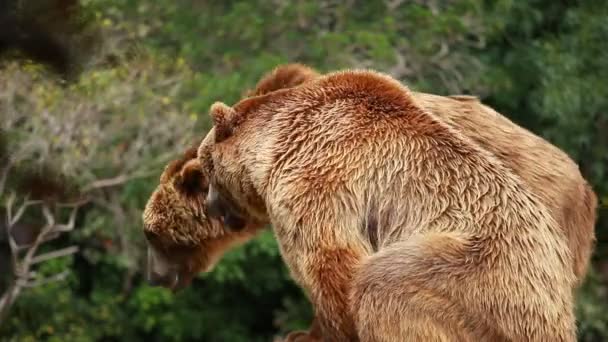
[313, 334]
[322, 251]
[330, 272]
[326, 274]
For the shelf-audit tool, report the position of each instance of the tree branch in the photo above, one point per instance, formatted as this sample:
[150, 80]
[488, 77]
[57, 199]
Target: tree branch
[55, 254]
[115, 181]
[54, 278]
[4, 175]
[24, 276]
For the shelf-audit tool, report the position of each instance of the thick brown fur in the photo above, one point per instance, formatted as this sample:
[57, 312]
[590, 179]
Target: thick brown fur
[398, 226]
[181, 237]
[546, 169]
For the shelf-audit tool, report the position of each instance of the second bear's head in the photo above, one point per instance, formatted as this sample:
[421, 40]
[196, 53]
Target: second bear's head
[182, 238]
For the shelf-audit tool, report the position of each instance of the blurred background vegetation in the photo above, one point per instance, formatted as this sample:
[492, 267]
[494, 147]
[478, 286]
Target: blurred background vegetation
[126, 86]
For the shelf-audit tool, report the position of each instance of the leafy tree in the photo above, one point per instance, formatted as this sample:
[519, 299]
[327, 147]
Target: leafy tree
[142, 97]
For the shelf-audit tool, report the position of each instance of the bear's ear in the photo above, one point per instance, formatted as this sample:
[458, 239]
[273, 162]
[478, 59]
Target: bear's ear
[191, 179]
[222, 116]
[283, 77]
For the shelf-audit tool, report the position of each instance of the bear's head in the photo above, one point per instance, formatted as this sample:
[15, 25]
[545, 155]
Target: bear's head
[232, 195]
[182, 239]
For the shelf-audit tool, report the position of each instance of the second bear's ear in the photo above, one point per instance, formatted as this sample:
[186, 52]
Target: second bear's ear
[222, 116]
[191, 179]
[283, 77]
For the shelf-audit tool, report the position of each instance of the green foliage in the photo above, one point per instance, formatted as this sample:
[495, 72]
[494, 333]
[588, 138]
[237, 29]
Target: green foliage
[541, 63]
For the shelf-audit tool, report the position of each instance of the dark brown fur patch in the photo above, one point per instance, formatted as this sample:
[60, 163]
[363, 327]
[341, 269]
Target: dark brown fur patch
[371, 227]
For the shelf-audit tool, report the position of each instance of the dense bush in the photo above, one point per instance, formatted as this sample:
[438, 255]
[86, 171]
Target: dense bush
[104, 137]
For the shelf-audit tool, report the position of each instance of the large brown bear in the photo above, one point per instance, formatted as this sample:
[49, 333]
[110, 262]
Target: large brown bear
[546, 169]
[397, 225]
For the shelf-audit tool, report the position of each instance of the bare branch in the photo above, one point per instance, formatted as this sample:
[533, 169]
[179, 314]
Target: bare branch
[4, 175]
[54, 254]
[68, 226]
[7, 300]
[50, 219]
[400, 69]
[26, 204]
[393, 4]
[444, 50]
[115, 181]
[54, 278]
[24, 276]
[103, 183]
[4, 299]
[78, 203]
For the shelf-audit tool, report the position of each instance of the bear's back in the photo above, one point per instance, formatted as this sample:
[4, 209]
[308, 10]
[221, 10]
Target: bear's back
[371, 131]
[546, 169]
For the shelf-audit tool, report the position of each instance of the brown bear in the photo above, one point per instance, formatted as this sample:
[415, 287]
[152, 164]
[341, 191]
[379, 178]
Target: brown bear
[397, 225]
[182, 239]
[546, 169]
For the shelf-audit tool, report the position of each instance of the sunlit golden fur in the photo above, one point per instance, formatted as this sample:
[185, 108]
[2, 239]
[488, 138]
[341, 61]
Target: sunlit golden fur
[177, 227]
[398, 225]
